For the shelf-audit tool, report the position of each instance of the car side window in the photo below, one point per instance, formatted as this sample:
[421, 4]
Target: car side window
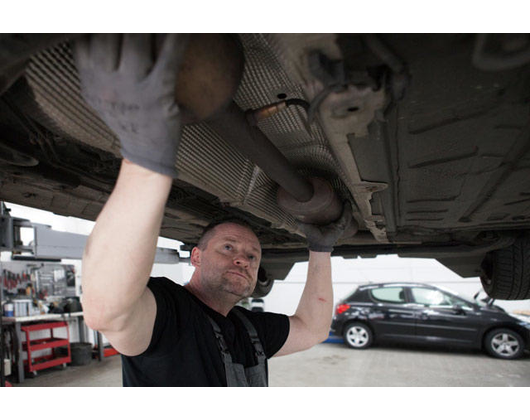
[388, 294]
[433, 297]
[430, 297]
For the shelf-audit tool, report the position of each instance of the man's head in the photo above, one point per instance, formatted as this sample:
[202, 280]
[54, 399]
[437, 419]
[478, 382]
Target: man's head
[227, 259]
[209, 230]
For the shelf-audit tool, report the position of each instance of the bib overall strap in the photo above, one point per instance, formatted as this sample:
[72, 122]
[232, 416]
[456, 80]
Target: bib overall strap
[237, 374]
[234, 372]
[223, 348]
[258, 348]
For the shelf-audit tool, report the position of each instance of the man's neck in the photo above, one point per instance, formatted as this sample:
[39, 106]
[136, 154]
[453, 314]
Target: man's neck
[218, 305]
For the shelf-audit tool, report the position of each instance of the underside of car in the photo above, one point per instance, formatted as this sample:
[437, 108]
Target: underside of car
[425, 136]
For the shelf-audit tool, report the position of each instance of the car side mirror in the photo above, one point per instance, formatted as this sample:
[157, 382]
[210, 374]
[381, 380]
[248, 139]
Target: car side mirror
[458, 309]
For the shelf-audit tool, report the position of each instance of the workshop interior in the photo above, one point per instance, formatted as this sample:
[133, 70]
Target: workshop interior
[426, 137]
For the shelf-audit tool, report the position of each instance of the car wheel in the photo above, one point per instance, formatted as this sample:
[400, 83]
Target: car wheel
[358, 336]
[506, 272]
[263, 284]
[504, 344]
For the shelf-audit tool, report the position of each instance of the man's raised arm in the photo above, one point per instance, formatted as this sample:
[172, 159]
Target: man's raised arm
[312, 320]
[134, 94]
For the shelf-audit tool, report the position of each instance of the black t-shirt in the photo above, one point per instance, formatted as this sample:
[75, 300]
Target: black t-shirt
[183, 350]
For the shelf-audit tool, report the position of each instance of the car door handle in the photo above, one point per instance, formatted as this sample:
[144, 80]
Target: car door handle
[425, 315]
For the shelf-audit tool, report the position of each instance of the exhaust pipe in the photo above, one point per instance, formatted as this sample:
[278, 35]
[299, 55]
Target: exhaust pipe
[231, 124]
[310, 200]
[208, 79]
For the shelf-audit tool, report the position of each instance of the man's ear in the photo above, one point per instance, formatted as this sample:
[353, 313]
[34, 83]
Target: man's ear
[195, 257]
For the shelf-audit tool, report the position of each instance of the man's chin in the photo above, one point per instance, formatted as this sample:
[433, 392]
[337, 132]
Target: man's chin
[240, 288]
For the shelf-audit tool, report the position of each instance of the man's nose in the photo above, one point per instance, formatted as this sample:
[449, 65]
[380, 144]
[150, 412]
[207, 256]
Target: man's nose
[242, 261]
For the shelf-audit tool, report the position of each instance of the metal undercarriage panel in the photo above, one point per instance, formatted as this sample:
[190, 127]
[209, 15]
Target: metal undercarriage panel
[447, 163]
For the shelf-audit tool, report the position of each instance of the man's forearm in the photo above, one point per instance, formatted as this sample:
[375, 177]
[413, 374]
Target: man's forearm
[316, 304]
[120, 251]
[312, 320]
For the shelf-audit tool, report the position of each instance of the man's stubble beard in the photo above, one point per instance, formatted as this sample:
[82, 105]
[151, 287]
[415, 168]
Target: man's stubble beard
[217, 283]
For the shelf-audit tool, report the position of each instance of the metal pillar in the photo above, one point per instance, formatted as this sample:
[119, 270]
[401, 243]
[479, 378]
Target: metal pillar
[2, 376]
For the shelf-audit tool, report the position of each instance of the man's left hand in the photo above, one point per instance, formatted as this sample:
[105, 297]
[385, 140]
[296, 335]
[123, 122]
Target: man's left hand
[324, 238]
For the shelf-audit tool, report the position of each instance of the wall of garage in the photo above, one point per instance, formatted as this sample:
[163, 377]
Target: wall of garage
[347, 274]
[83, 227]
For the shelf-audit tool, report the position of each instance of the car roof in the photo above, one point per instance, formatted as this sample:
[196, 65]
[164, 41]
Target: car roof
[404, 284]
[368, 286]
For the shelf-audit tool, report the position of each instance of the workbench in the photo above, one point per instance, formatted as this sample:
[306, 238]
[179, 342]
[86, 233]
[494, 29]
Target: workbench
[17, 322]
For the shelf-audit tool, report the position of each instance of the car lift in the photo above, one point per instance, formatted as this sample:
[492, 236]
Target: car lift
[49, 245]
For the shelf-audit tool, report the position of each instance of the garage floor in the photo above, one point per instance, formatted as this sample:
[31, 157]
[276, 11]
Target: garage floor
[336, 365]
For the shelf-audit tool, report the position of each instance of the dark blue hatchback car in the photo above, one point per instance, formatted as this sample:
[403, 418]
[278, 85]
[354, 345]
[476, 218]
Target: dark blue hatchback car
[421, 313]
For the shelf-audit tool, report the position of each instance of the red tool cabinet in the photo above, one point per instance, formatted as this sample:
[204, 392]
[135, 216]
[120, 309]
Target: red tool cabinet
[34, 364]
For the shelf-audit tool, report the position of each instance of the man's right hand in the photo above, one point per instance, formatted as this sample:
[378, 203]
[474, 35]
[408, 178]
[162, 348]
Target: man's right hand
[134, 93]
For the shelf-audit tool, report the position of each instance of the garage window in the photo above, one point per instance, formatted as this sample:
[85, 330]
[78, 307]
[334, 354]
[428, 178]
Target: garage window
[388, 294]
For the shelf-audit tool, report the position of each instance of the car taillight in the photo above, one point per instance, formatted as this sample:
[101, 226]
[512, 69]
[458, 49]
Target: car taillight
[342, 308]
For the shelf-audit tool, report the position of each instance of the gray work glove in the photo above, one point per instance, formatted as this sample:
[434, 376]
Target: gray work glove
[324, 238]
[134, 93]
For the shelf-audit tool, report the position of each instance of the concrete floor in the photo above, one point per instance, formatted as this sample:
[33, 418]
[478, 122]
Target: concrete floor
[106, 373]
[336, 365]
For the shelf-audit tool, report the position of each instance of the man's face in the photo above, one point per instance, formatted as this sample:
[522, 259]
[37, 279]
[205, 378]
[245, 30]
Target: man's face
[230, 261]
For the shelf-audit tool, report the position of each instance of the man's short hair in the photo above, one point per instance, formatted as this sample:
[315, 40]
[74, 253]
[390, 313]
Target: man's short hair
[207, 232]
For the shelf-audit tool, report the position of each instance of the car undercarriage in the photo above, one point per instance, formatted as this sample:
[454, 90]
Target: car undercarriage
[425, 136]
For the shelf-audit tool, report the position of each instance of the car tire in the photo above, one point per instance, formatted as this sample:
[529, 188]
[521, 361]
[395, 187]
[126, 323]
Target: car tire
[263, 284]
[506, 272]
[504, 344]
[358, 336]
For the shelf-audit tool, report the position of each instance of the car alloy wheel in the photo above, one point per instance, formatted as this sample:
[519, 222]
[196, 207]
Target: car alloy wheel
[358, 336]
[504, 344]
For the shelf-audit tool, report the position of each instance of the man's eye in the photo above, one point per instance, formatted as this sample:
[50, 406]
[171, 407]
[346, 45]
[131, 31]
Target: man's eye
[228, 247]
[252, 257]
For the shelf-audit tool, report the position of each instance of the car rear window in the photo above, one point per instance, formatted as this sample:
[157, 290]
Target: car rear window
[388, 294]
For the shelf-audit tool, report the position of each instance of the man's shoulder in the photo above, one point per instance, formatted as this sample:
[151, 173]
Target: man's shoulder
[165, 283]
[168, 290]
